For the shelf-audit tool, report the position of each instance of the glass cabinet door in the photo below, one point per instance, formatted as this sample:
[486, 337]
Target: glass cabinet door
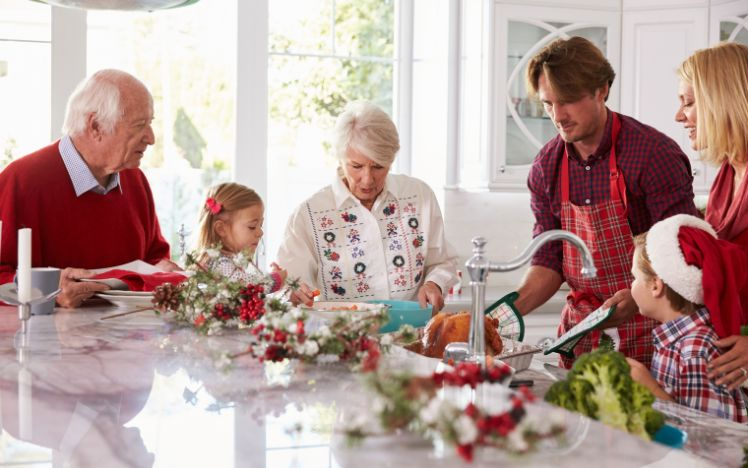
[734, 29]
[517, 124]
[528, 127]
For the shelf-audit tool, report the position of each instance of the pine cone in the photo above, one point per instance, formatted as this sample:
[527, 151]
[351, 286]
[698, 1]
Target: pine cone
[166, 297]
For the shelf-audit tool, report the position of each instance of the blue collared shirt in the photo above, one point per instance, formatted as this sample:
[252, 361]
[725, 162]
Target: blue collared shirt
[80, 174]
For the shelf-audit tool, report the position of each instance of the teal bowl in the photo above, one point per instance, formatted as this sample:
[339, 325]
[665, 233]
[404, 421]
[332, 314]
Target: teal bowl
[404, 312]
[671, 436]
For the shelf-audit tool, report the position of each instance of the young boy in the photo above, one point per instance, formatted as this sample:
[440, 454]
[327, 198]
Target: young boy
[678, 266]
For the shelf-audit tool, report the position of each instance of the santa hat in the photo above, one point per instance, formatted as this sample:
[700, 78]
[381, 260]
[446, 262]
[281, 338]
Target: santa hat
[685, 253]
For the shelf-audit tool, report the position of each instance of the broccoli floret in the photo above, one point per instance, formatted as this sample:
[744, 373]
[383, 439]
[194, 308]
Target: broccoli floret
[561, 395]
[600, 386]
[653, 421]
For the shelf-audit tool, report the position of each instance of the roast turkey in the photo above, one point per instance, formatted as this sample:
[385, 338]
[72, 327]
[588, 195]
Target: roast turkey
[444, 328]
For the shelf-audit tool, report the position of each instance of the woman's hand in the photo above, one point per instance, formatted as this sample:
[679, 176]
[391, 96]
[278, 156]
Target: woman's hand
[75, 292]
[731, 368]
[431, 293]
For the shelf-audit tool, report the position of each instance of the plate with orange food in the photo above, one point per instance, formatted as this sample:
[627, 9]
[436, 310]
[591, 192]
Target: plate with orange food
[331, 309]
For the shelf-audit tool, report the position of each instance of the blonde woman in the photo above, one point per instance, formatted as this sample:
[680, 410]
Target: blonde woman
[370, 234]
[713, 95]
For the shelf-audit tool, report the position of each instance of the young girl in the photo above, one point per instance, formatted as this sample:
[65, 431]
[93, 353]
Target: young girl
[678, 266]
[232, 218]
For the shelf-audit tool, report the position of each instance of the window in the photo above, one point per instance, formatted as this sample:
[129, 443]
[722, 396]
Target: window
[187, 58]
[24, 78]
[322, 54]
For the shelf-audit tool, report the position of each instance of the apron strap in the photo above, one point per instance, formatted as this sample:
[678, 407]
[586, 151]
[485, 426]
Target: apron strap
[617, 182]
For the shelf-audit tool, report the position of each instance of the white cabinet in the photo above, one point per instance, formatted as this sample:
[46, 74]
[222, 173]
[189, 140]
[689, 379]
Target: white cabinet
[518, 124]
[501, 130]
[654, 42]
[729, 21]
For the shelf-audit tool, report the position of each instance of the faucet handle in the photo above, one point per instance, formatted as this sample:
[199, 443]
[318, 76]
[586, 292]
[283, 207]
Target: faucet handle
[479, 244]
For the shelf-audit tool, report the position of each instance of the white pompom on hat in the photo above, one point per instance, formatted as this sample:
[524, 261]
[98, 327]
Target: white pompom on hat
[668, 261]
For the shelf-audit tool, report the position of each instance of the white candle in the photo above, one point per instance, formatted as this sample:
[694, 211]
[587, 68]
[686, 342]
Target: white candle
[24, 265]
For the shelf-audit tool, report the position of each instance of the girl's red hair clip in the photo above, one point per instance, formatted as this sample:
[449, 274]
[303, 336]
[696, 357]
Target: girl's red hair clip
[213, 206]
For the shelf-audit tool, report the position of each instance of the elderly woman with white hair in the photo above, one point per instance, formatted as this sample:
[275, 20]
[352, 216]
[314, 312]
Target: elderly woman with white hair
[370, 234]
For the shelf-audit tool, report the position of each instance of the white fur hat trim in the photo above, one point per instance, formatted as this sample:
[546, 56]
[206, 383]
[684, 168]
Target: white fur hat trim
[668, 260]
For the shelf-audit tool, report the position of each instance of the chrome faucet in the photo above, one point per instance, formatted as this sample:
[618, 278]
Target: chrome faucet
[478, 267]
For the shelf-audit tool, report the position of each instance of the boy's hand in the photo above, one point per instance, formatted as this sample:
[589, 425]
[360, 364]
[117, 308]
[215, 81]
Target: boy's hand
[641, 374]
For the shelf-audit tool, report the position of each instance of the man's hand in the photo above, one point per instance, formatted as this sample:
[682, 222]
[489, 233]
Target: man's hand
[167, 265]
[75, 292]
[626, 308]
[430, 293]
[731, 368]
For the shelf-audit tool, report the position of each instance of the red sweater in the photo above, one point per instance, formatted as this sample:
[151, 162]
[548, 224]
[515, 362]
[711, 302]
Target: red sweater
[90, 231]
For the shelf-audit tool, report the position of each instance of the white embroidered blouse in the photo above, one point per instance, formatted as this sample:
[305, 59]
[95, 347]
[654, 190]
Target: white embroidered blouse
[332, 242]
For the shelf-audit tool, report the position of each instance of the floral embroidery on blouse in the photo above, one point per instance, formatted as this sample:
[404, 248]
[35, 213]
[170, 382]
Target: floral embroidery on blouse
[391, 229]
[332, 256]
[349, 217]
[389, 209]
[357, 252]
[329, 237]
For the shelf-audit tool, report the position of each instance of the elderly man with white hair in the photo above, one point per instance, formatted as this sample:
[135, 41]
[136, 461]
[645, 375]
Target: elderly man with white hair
[86, 201]
[370, 234]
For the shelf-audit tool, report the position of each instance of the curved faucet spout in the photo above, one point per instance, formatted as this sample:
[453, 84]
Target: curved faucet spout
[588, 265]
[478, 267]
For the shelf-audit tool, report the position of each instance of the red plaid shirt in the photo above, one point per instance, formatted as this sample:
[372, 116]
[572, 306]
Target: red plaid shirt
[658, 179]
[683, 347]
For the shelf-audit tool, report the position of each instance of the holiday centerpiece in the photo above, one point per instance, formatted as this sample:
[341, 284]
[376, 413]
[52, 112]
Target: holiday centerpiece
[425, 405]
[211, 302]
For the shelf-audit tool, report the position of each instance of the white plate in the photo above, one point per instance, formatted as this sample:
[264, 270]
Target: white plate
[127, 301]
[113, 283]
[331, 309]
[113, 292]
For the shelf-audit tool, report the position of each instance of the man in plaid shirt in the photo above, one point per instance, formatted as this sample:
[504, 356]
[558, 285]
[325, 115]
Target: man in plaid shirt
[678, 265]
[605, 177]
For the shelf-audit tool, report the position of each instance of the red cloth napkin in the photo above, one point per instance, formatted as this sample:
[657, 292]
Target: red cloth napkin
[141, 282]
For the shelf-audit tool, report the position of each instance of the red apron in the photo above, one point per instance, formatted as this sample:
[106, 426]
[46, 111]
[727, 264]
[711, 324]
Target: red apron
[605, 229]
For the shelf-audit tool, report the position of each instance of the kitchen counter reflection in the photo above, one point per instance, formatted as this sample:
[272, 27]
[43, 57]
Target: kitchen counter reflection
[140, 391]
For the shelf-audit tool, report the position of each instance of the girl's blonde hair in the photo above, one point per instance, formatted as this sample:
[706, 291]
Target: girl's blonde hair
[719, 77]
[222, 200]
[644, 265]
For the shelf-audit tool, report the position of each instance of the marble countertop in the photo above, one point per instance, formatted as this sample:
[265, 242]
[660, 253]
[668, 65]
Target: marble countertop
[140, 391]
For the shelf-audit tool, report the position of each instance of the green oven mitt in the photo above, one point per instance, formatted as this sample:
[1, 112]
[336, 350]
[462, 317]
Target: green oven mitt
[511, 324]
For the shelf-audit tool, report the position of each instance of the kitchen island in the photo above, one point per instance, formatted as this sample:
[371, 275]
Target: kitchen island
[139, 390]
